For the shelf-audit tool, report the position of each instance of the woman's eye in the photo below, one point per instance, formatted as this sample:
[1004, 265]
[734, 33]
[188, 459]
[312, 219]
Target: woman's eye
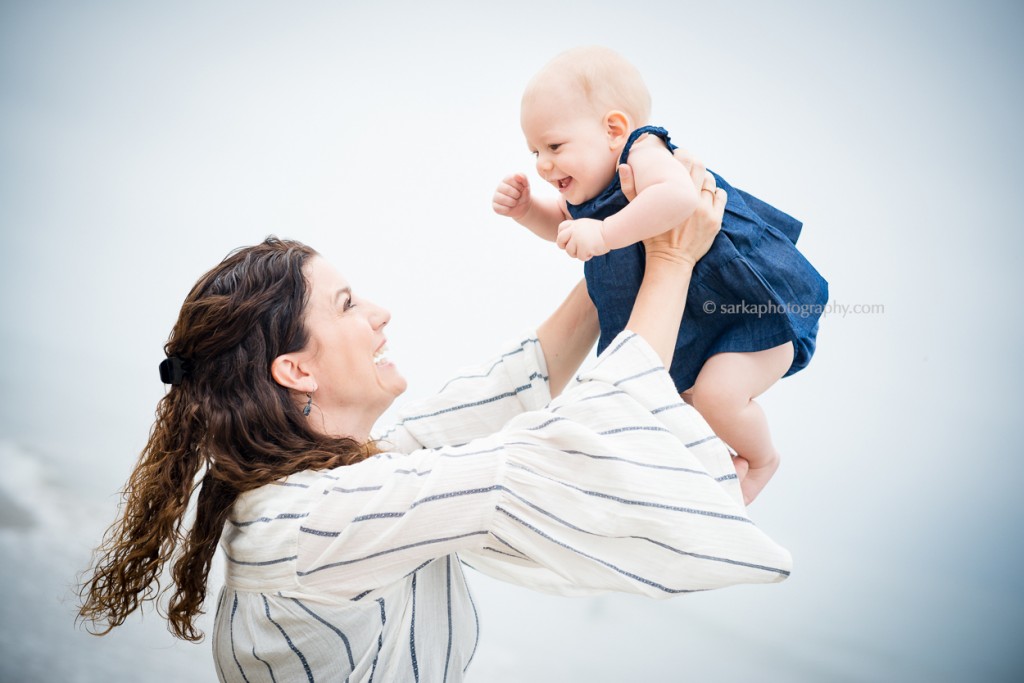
[349, 303]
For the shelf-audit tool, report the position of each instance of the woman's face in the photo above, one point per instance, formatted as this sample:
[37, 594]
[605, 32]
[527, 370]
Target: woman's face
[346, 352]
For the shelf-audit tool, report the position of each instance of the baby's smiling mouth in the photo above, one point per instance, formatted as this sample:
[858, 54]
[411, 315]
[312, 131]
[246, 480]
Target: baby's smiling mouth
[563, 183]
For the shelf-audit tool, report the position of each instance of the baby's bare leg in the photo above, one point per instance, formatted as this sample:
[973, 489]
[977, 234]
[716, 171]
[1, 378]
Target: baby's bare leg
[738, 461]
[724, 394]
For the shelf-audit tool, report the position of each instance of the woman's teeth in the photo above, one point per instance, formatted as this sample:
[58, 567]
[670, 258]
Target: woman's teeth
[381, 356]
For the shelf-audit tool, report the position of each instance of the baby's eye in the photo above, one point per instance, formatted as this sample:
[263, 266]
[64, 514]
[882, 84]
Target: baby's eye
[555, 146]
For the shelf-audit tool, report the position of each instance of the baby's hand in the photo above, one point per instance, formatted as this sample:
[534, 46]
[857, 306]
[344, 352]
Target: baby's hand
[512, 198]
[582, 238]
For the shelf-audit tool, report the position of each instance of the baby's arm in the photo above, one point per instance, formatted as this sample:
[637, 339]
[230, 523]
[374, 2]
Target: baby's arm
[665, 196]
[542, 215]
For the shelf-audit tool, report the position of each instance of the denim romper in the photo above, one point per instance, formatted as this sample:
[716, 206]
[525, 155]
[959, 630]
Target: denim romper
[752, 291]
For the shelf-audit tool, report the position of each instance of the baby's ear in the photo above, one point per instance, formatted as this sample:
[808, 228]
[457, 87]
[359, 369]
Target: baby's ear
[618, 127]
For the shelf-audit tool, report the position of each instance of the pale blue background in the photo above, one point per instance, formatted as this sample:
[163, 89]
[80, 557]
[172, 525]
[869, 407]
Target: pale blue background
[140, 142]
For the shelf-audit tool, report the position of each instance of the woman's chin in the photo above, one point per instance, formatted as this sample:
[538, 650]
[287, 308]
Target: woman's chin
[391, 379]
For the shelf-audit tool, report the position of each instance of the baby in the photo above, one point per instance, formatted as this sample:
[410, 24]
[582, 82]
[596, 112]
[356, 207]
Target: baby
[754, 301]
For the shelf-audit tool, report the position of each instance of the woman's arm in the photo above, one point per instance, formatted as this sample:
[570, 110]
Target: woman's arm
[616, 485]
[476, 402]
[567, 337]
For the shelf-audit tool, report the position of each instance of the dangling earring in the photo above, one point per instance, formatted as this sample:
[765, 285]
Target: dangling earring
[309, 405]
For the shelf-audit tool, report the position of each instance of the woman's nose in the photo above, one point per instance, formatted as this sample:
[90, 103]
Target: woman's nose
[379, 316]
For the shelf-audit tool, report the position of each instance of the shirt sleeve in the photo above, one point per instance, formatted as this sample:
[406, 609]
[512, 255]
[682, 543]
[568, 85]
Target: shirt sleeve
[617, 485]
[475, 403]
[623, 487]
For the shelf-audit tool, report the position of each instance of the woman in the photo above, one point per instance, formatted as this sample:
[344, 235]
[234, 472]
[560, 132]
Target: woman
[343, 554]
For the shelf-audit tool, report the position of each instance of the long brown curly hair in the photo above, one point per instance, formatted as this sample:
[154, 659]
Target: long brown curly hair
[228, 421]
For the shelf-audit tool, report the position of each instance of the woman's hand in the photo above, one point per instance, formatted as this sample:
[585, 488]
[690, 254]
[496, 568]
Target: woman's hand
[689, 241]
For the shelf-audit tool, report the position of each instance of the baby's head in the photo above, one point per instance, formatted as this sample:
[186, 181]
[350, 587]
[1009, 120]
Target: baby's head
[577, 114]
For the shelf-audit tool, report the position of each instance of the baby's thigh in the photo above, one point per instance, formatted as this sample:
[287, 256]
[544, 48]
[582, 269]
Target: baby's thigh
[746, 375]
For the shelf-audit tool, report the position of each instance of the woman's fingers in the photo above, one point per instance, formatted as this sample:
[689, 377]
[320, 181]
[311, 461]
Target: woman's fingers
[700, 230]
[719, 200]
[716, 206]
[685, 157]
[627, 182]
[702, 179]
[698, 173]
[708, 183]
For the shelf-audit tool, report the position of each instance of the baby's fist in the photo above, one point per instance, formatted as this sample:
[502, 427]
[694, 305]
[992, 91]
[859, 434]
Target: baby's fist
[512, 198]
[582, 238]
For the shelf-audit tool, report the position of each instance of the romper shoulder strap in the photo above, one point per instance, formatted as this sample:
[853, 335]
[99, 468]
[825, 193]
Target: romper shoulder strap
[653, 130]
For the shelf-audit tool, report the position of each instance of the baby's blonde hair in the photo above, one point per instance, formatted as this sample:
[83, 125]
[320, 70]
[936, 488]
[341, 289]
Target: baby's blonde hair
[600, 75]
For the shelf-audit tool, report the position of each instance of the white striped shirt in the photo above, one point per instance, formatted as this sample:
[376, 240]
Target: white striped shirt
[355, 573]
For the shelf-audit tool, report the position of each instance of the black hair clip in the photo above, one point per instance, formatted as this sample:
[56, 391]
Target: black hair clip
[173, 369]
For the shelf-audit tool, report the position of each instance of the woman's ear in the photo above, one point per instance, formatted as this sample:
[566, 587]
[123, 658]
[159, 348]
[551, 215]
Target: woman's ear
[618, 127]
[288, 371]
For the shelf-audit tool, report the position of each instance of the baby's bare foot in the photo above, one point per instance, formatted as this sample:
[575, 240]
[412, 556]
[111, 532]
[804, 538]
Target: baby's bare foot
[757, 478]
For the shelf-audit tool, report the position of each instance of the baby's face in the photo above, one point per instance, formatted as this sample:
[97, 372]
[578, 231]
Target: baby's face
[573, 147]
